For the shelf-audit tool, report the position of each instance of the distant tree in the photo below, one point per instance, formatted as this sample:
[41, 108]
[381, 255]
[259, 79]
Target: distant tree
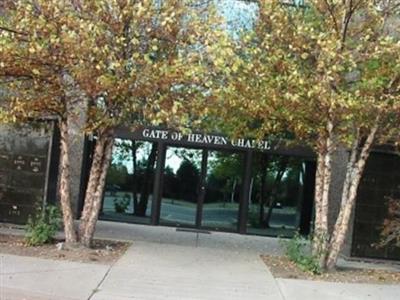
[224, 176]
[117, 174]
[188, 178]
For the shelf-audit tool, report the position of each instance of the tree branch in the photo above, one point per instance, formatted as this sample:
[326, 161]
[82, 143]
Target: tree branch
[331, 10]
[2, 28]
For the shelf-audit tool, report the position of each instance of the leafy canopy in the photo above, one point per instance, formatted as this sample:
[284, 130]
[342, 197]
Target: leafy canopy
[133, 62]
[301, 68]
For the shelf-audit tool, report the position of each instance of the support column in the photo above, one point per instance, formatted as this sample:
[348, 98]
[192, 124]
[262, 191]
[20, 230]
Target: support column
[308, 198]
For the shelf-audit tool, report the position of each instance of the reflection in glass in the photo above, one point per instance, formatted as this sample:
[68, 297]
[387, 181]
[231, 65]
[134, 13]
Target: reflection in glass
[180, 186]
[276, 195]
[223, 185]
[129, 181]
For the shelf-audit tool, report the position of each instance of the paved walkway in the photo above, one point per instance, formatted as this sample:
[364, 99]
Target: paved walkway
[294, 289]
[30, 278]
[171, 235]
[161, 271]
[163, 263]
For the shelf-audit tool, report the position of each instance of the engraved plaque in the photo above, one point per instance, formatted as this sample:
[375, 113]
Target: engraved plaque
[23, 163]
[19, 162]
[15, 213]
[36, 164]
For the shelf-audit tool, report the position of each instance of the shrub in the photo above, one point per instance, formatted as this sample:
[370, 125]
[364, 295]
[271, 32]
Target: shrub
[121, 204]
[42, 227]
[298, 251]
[390, 230]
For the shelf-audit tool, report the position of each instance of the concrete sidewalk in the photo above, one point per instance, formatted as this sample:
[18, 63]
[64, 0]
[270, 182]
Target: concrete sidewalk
[34, 278]
[164, 263]
[175, 236]
[294, 289]
[152, 271]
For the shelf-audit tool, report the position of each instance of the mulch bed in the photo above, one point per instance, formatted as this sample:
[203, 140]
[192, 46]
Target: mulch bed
[103, 252]
[282, 267]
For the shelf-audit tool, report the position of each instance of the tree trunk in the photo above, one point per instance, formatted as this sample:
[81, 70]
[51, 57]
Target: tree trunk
[327, 179]
[318, 190]
[319, 180]
[134, 176]
[275, 189]
[264, 170]
[233, 191]
[97, 178]
[323, 181]
[65, 194]
[251, 191]
[76, 104]
[147, 184]
[93, 181]
[355, 170]
[324, 231]
[348, 179]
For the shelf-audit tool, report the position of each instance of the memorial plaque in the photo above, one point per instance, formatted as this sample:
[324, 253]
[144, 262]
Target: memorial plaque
[14, 213]
[19, 162]
[23, 163]
[36, 164]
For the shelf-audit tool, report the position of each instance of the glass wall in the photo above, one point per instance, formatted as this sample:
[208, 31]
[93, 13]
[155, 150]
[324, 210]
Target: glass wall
[223, 186]
[129, 183]
[202, 188]
[276, 195]
[180, 190]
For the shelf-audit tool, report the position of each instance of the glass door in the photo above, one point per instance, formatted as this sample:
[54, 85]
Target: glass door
[181, 186]
[129, 182]
[201, 188]
[223, 182]
[276, 195]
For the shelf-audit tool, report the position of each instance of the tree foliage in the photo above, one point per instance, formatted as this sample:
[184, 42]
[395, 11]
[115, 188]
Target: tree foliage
[104, 64]
[136, 61]
[327, 74]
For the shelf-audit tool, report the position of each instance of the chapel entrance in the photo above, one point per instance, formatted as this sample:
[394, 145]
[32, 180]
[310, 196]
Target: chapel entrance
[201, 188]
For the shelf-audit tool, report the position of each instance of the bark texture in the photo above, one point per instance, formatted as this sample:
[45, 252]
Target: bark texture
[97, 178]
[65, 193]
[321, 199]
[70, 124]
[94, 175]
[356, 165]
[326, 146]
